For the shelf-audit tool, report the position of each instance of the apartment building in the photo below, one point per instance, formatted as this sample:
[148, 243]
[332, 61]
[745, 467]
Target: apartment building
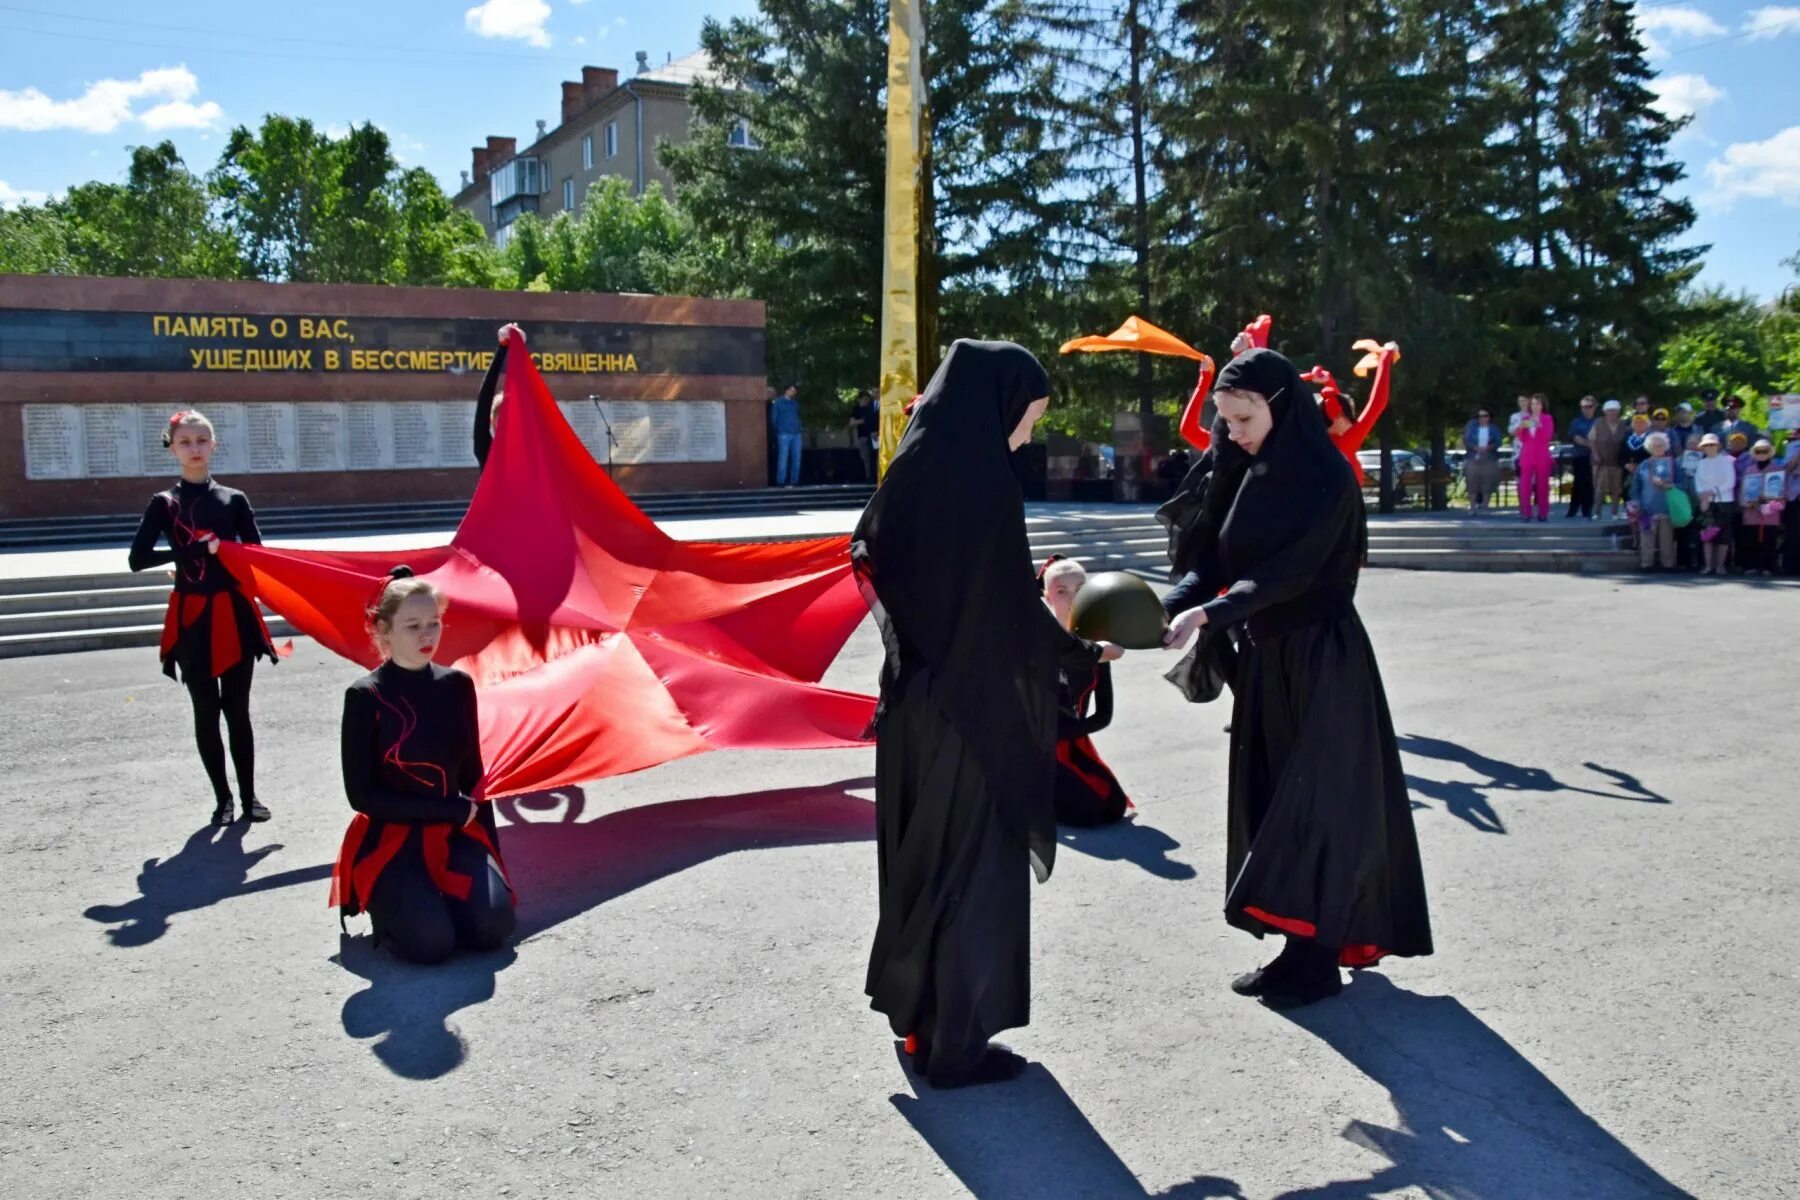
[608, 128]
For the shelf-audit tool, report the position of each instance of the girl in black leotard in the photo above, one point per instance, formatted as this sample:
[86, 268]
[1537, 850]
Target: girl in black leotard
[213, 632]
[422, 856]
[1087, 792]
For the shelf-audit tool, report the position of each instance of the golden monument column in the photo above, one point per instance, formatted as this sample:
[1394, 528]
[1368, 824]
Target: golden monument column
[906, 304]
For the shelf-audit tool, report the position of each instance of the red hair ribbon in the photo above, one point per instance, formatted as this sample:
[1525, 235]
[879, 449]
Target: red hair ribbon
[177, 418]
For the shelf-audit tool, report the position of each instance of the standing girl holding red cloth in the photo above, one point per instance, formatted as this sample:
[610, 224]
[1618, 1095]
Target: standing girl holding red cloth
[422, 855]
[213, 633]
[1532, 438]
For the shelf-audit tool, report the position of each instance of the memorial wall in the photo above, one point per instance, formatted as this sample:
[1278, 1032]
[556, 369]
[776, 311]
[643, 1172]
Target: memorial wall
[330, 394]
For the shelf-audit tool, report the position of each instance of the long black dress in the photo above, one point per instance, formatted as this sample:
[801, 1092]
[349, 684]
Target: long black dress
[429, 879]
[1320, 842]
[966, 726]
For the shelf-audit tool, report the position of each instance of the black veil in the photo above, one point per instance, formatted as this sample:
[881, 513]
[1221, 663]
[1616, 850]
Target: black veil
[1294, 482]
[942, 556]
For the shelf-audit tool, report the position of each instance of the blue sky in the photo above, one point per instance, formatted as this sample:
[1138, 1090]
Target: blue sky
[82, 80]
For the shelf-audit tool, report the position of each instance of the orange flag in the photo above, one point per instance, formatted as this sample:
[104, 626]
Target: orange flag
[1372, 353]
[1139, 335]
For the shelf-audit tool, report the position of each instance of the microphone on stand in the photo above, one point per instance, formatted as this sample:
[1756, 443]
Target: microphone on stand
[610, 440]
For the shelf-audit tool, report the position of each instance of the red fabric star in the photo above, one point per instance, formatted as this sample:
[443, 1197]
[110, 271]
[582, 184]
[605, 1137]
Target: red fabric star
[598, 643]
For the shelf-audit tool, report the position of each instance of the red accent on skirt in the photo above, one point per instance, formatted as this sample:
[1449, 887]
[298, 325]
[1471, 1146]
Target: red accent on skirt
[353, 880]
[225, 642]
[1349, 956]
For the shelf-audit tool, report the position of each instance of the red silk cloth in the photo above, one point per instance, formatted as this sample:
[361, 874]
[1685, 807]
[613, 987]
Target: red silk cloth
[598, 643]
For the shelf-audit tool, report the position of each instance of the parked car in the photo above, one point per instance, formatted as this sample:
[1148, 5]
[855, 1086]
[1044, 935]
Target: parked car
[1409, 473]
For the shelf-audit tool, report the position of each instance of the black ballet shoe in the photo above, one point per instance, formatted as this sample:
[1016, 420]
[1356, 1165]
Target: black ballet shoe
[1300, 990]
[996, 1065]
[254, 810]
[222, 811]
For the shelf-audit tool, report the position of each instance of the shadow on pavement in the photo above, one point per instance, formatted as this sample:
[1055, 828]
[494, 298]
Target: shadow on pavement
[1128, 841]
[407, 1008]
[1027, 1138]
[211, 866]
[1470, 801]
[565, 867]
[1477, 1121]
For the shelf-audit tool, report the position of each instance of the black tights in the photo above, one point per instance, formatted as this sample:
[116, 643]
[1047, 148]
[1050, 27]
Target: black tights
[420, 924]
[227, 694]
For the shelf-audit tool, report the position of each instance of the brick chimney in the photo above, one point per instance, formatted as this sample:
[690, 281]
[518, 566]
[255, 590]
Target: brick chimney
[597, 82]
[574, 100]
[481, 163]
[500, 150]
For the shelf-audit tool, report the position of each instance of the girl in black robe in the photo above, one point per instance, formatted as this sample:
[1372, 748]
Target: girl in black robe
[422, 855]
[213, 632]
[1320, 843]
[965, 755]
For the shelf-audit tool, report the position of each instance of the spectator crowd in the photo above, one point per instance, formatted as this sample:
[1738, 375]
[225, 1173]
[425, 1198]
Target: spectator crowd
[1702, 489]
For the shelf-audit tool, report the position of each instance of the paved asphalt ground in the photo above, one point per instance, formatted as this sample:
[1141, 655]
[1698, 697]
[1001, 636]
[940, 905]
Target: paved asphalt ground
[1605, 788]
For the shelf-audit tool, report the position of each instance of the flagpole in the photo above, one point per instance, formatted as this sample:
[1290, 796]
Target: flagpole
[905, 302]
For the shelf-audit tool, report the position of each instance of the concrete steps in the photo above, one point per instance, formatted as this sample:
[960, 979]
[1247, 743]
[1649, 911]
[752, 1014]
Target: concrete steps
[116, 529]
[110, 610]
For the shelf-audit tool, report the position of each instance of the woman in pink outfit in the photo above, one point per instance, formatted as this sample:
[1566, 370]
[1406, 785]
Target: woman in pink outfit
[1531, 441]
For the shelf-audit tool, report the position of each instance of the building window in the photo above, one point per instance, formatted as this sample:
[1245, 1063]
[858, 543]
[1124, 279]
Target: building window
[612, 139]
[568, 194]
[502, 236]
[587, 152]
[741, 137]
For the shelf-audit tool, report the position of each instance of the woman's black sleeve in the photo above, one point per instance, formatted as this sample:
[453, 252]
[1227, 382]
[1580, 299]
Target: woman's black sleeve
[484, 407]
[363, 787]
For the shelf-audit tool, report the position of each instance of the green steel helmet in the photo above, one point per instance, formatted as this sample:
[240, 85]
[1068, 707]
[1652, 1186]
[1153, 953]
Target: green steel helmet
[1118, 607]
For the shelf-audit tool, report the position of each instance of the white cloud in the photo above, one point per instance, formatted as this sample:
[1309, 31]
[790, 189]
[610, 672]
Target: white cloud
[181, 114]
[12, 197]
[521, 19]
[1684, 95]
[110, 103]
[1772, 21]
[1765, 170]
[1678, 20]
[580, 41]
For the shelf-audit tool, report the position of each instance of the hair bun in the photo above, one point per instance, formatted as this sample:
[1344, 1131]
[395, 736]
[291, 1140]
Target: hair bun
[401, 572]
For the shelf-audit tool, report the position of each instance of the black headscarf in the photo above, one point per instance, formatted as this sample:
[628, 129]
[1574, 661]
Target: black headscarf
[943, 559]
[1262, 503]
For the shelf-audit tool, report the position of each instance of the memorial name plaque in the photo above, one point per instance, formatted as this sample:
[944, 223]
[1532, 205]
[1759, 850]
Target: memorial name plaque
[53, 441]
[456, 425]
[269, 443]
[109, 438]
[668, 432]
[320, 435]
[368, 436]
[414, 430]
[64, 441]
[706, 431]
